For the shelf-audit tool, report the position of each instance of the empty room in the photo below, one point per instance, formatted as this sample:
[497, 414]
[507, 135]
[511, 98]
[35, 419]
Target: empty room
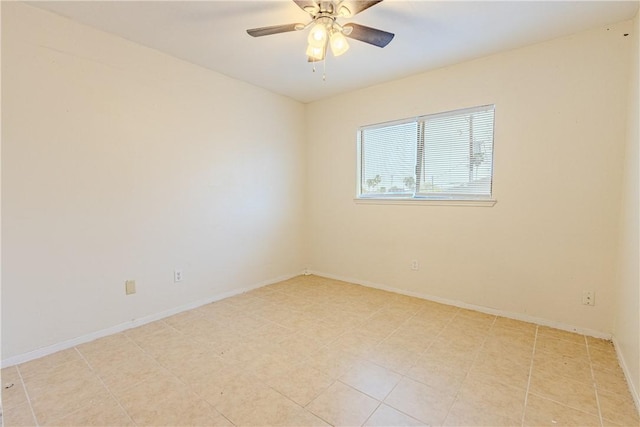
[320, 213]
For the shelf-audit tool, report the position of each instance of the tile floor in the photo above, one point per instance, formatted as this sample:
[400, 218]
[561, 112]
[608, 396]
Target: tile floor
[312, 352]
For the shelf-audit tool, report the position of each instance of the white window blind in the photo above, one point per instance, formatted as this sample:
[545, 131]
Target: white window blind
[439, 156]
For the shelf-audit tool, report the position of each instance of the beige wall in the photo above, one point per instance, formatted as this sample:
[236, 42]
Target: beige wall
[119, 162]
[627, 313]
[560, 119]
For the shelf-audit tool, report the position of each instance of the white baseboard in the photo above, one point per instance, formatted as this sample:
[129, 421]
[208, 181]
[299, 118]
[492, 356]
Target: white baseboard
[461, 304]
[54, 348]
[627, 375]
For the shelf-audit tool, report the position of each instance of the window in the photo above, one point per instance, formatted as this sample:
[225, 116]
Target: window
[445, 156]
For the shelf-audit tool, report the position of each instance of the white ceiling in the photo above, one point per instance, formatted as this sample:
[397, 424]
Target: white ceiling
[429, 34]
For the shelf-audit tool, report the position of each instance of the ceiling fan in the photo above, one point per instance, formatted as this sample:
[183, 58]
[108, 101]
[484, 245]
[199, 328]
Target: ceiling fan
[326, 31]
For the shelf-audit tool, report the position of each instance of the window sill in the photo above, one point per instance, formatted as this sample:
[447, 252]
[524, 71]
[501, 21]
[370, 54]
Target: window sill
[424, 202]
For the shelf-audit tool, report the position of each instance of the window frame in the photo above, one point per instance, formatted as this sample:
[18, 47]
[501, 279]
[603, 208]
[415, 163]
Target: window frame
[445, 199]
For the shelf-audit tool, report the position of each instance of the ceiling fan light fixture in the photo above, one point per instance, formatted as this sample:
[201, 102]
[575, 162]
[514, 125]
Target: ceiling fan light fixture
[315, 53]
[338, 43]
[318, 35]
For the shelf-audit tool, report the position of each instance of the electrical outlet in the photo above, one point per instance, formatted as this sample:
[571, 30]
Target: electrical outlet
[130, 287]
[589, 298]
[177, 276]
[415, 265]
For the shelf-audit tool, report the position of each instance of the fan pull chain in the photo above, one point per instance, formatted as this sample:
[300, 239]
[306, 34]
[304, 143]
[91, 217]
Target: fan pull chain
[324, 69]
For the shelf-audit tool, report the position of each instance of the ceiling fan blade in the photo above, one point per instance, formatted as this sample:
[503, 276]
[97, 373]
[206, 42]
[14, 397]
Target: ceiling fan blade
[368, 35]
[356, 7]
[275, 29]
[307, 5]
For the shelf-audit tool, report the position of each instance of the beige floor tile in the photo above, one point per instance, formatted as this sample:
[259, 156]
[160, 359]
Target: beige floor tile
[44, 364]
[270, 333]
[312, 351]
[476, 316]
[600, 344]
[435, 316]
[211, 385]
[420, 401]
[603, 359]
[355, 342]
[410, 338]
[502, 369]
[146, 329]
[297, 321]
[386, 416]
[392, 357]
[49, 407]
[424, 324]
[490, 399]
[447, 350]
[467, 329]
[241, 300]
[59, 378]
[183, 410]
[463, 413]
[334, 363]
[521, 340]
[301, 384]
[191, 363]
[218, 338]
[523, 327]
[371, 379]
[245, 354]
[511, 344]
[564, 390]
[544, 412]
[63, 389]
[12, 392]
[341, 405]
[103, 411]
[612, 381]
[300, 345]
[321, 332]
[566, 348]
[102, 356]
[218, 310]
[186, 352]
[125, 375]
[444, 376]
[238, 395]
[183, 320]
[206, 329]
[246, 401]
[104, 344]
[161, 342]
[151, 391]
[9, 374]
[547, 332]
[271, 364]
[554, 364]
[18, 416]
[618, 408]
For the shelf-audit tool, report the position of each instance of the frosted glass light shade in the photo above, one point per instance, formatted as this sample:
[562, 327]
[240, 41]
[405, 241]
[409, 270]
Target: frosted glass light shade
[318, 35]
[338, 43]
[316, 53]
